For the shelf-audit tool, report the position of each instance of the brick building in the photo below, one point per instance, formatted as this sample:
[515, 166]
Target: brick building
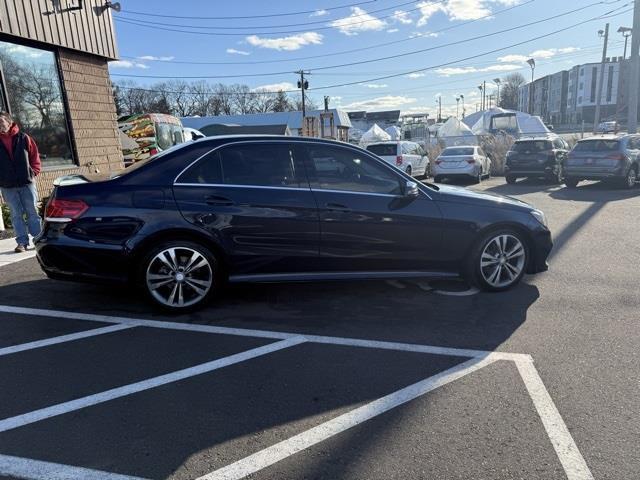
[55, 82]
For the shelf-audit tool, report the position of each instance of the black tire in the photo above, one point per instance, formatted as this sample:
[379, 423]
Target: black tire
[555, 177]
[478, 178]
[193, 295]
[408, 170]
[571, 182]
[629, 181]
[437, 179]
[475, 273]
[510, 179]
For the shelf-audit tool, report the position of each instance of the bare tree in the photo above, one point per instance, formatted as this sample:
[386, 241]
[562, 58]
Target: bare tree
[242, 99]
[263, 102]
[201, 97]
[224, 95]
[509, 90]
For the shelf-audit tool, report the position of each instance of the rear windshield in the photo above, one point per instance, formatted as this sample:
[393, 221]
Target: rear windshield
[450, 152]
[533, 146]
[599, 145]
[384, 149]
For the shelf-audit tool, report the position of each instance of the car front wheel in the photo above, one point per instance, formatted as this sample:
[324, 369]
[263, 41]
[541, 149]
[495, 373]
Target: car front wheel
[179, 276]
[498, 261]
[630, 179]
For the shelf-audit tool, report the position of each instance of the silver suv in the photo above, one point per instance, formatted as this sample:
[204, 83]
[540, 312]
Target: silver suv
[604, 157]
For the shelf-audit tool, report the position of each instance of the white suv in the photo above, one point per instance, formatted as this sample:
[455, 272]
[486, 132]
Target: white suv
[407, 156]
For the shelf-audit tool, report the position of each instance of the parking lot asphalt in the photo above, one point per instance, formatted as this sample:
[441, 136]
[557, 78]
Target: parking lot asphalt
[268, 382]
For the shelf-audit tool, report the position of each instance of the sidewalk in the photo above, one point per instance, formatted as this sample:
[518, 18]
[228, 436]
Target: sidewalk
[7, 255]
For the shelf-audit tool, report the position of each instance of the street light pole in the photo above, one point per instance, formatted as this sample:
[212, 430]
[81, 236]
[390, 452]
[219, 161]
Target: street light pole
[635, 71]
[532, 64]
[626, 33]
[463, 110]
[457, 104]
[596, 118]
[497, 81]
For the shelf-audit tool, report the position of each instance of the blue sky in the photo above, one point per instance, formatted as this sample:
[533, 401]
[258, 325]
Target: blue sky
[338, 36]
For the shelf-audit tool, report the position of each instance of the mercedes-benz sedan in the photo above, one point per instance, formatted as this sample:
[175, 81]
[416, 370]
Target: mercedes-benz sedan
[270, 208]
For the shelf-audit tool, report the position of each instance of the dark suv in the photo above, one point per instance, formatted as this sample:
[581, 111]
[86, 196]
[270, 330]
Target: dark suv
[265, 209]
[605, 157]
[536, 157]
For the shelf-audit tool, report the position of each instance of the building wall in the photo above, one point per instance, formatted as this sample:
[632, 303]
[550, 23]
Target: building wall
[92, 118]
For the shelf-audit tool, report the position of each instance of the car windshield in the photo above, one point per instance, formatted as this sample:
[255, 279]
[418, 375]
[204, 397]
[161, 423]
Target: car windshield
[384, 149]
[599, 145]
[533, 146]
[451, 152]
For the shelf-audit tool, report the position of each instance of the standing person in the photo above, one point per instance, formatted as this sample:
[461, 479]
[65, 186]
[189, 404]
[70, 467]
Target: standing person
[19, 166]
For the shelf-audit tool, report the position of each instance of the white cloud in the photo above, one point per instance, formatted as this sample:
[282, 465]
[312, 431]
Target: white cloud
[24, 51]
[233, 51]
[151, 58]
[459, 9]
[375, 85]
[275, 87]
[294, 42]
[388, 102]
[416, 75]
[319, 13]
[540, 54]
[393, 30]
[358, 21]
[401, 16]
[447, 72]
[127, 64]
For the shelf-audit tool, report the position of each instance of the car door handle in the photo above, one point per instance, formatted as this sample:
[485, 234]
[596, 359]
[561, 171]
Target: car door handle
[218, 201]
[336, 207]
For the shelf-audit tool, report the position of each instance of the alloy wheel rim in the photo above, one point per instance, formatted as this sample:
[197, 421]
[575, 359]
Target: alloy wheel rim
[631, 178]
[179, 277]
[502, 260]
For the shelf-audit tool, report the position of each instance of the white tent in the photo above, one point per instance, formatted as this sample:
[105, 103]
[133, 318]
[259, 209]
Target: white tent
[394, 132]
[374, 135]
[454, 133]
[525, 124]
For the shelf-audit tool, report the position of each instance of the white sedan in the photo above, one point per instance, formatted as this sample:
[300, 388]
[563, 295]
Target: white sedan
[466, 161]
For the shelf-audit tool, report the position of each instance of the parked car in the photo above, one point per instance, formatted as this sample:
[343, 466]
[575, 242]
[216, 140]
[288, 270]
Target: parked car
[606, 157]
[608, 127]
[192, 134]
[536, 157]
[467, 161]
[152, 133]
[265, 209]
[407, 156]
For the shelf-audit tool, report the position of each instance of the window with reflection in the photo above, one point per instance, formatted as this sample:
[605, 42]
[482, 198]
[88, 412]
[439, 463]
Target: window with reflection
[34, 97]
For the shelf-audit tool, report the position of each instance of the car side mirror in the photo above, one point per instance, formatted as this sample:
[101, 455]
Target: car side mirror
[411, 189]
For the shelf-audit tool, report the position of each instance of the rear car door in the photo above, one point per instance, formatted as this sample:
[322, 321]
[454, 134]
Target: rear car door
[253, 197]
[366, 223]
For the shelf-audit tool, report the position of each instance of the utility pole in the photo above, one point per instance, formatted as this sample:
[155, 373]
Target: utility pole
[303, 85]
[596, 119]
[635, 71]
[497, 81]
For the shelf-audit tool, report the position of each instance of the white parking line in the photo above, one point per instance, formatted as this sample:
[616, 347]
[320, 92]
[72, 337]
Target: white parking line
[572, 460]
[66, 407]
[38, 470]
[63, 338]
[297, 443]
[350, 342]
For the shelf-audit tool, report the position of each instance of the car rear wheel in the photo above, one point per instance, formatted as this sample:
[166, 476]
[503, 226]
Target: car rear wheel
[510, 179]
[408, 170]
[179, 276]
[571, 182]
[630, 180]
[498, 261]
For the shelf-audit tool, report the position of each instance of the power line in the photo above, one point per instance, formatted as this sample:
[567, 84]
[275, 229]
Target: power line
[344, 52]
[153, 25]
[317, 22]
[389, 57]
[282, 14]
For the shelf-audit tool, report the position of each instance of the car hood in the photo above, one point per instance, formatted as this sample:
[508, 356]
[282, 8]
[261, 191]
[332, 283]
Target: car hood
[449, 193]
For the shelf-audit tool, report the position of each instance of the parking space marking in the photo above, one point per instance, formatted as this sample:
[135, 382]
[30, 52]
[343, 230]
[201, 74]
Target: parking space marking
[63, 338]
[352, 342]
[38, 470]
[79, 403]
[572, 460]
[304, 440]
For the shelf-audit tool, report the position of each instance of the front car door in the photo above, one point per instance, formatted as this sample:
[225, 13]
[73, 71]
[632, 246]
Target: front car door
[253, 197]
[366, 222]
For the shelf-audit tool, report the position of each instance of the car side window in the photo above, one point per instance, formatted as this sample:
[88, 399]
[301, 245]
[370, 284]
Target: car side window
[406, 149]
[558, 144]
[255, 164]
[343, 169]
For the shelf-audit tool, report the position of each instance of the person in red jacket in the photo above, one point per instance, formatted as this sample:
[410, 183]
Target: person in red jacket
[19, 166]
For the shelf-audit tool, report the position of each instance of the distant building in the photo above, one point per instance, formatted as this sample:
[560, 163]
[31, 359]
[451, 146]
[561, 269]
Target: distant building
[291, 120]
[557, 97]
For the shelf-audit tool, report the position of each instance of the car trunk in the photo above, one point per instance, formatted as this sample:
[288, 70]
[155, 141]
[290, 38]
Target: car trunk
[454, 161]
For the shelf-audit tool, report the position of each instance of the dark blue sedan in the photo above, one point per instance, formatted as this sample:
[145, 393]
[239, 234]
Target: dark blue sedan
[271, 208]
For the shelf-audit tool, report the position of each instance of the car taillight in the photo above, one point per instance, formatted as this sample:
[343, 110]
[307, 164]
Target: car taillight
[438, 161]
[399, 160]
[153, 151]
[470, 160]
[59, 210]
[616, 156]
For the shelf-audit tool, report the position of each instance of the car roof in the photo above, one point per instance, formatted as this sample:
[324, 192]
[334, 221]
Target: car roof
[536, 139]
[603, 137]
